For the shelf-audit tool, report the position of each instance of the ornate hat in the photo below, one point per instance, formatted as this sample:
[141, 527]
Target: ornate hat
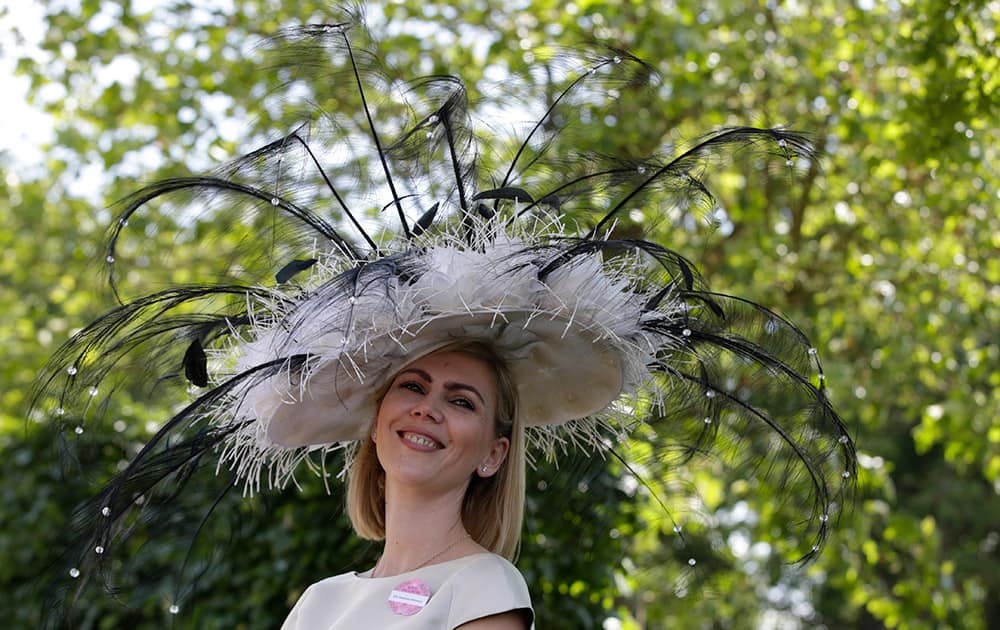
[602, 332]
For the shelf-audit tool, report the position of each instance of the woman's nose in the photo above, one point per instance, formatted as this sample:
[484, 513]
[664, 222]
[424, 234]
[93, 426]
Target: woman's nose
[426, 410]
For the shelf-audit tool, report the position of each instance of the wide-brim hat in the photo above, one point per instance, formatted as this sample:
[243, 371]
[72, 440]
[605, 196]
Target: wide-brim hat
[559, 373]
[570, 335]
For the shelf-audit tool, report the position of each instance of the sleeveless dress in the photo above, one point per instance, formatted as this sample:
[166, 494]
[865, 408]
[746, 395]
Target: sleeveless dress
[461, 590]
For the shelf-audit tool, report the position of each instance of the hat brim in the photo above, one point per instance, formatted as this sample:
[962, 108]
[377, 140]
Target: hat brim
[560, 372]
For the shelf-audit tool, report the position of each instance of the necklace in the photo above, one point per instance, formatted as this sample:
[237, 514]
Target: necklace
[428, 560]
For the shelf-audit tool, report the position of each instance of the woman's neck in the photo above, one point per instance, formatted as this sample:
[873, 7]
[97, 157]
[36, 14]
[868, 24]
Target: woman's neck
[421, 529]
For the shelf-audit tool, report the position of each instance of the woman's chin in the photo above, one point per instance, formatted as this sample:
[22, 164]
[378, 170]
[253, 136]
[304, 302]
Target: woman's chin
[426, 477]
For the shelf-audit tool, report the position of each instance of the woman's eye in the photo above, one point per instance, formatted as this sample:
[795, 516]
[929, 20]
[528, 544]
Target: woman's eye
[464, 402]
[412, 386]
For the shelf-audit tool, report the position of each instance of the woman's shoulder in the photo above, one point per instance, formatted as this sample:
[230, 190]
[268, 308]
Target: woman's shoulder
[488, 564]
[350, 576]
[332, 584]
[487, 584]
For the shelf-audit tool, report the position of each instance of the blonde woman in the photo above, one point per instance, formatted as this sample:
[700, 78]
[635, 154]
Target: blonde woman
[441, 480]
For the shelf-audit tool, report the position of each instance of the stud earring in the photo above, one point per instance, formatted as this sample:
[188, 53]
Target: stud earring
[485, 469]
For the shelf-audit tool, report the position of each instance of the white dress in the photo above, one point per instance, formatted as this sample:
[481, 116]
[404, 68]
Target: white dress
[461, 590]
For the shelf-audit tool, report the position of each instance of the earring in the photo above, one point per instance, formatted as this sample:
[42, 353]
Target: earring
[485, 469]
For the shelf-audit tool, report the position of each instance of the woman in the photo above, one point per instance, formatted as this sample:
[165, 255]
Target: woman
[485, 326]
[441, 480]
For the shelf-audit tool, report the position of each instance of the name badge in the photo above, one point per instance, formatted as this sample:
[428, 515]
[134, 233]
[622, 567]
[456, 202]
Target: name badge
[409, 598]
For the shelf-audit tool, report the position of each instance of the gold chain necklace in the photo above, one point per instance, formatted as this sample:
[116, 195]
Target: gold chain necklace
[428, 560]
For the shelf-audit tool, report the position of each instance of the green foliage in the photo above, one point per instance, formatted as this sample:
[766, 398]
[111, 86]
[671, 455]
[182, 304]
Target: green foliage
[885, 252]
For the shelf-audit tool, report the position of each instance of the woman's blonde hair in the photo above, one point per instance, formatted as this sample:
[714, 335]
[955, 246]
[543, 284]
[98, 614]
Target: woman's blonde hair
[493, 507]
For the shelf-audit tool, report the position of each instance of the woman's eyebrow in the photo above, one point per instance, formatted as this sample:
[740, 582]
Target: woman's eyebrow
[422, 374]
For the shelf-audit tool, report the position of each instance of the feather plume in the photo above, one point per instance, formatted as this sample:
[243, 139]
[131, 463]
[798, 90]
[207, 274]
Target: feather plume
[487, 242]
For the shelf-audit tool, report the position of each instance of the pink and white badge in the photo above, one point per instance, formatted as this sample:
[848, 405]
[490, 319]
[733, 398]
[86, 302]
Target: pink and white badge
[409, 597]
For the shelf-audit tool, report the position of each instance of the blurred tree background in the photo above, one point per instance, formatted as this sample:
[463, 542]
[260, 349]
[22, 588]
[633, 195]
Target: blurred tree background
[886, 253]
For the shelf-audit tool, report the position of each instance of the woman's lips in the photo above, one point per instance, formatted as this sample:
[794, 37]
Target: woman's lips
[420, 441]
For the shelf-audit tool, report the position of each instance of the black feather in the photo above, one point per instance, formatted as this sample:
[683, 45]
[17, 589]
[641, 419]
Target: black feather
[706, 299]
[686, 271]
[485, 211]
[657, 297]
[508, 192]
[293, 268]
[425, 220]
[196, 364]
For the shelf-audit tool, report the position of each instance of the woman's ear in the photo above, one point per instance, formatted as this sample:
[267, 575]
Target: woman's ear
[496, 457]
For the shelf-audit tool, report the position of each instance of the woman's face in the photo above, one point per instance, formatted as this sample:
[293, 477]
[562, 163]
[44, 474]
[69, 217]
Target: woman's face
[435, 426]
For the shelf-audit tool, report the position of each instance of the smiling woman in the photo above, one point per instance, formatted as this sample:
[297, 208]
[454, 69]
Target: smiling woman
[492, 507]
[437, 419]
[441, 480]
